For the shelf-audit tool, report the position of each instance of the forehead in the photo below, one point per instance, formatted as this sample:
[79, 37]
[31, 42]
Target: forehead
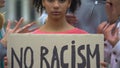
[115, 0]
[56, 0]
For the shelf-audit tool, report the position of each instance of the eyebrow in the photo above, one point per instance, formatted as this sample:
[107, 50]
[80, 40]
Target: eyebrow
[109, 3]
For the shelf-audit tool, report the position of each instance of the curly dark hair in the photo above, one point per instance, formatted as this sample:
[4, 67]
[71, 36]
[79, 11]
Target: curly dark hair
[74, 4]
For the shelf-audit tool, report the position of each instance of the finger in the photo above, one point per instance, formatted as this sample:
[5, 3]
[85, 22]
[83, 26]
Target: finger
[72, 20]
[33, 29]
[108, 32]
[105, 27]
[18, 24]
[8, 25]
[27, 30]
[103, 64]
[5, 66]
[29, 25]
[26, 27]
[102, 27]
[5, 61]
[111, 27]
[5, 57]
[69, 15]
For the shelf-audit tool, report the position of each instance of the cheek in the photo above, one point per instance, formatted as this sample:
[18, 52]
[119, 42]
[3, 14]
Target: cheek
[117, 8]
[64, 7]
[47, 7]
[64, 10]
[118, 11]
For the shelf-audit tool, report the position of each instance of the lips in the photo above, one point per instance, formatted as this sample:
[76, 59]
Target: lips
[56, 13]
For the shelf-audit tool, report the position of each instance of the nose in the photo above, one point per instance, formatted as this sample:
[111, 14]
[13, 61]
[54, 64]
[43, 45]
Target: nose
[56, 4]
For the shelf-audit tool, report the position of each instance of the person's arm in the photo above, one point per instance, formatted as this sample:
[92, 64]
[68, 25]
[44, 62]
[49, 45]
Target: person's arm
[116, 53]
[107, 51]
[3, 51]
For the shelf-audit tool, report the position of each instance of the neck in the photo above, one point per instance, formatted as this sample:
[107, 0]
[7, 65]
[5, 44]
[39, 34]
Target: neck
[56, 25]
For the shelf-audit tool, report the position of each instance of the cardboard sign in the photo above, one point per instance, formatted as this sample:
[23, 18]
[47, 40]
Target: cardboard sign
[55, 51]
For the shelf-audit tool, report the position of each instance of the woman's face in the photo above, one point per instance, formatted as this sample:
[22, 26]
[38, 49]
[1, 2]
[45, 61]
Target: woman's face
[2, 3]
[56, 8]
[111, 11]
[116, 5]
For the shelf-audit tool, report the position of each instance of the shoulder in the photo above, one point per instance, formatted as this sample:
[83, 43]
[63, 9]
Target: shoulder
[78, 31]
[37, 31]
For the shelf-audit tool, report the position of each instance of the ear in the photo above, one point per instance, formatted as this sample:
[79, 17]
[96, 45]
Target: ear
[69, 3]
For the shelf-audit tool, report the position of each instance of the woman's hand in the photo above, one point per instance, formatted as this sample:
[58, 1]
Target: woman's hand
[5, 62]
[104, 64]
[72, 19]
[16, 29]
[110, 32]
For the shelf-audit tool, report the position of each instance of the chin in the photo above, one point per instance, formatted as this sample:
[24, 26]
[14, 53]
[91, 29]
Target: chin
[56, 17]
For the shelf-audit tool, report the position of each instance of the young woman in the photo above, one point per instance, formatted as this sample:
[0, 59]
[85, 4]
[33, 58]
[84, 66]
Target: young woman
[56, 22]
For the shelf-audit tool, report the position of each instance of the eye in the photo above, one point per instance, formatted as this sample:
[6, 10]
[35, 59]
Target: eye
[50, 0]
[109, 3]
[62, 1]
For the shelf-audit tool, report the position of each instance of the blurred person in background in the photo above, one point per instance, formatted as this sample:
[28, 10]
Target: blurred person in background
[2, 48]
[111, 31]
[90, 15]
